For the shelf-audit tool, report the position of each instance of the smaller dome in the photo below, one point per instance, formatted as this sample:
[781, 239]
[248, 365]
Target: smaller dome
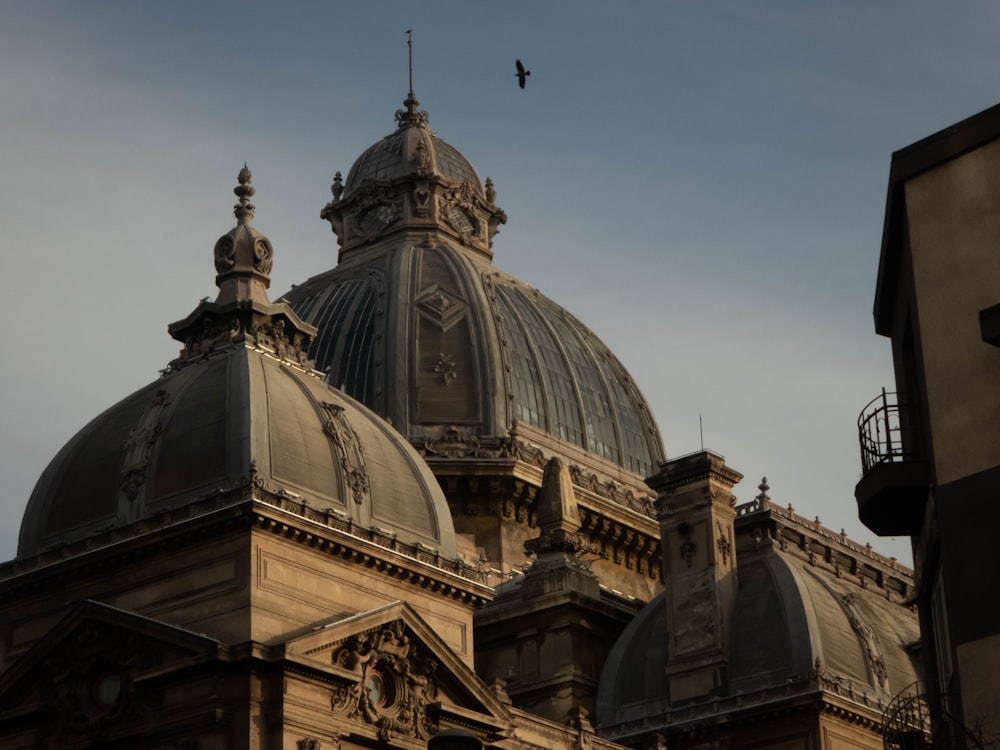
[239, 418]
[412, 149]
[792, 626]
[240, 409]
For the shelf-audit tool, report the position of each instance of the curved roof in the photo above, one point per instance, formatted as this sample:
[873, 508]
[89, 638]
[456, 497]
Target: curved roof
[792, 625]
[434, 339]
[225, 422]
[239, 408]
[416, 323]
[394, 155]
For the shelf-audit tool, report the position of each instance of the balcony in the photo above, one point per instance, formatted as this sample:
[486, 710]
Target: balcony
[906, 722]
[895, 478]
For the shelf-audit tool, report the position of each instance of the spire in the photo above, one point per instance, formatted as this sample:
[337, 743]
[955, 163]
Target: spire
[410, 117]
[243, 211]
[242, 313]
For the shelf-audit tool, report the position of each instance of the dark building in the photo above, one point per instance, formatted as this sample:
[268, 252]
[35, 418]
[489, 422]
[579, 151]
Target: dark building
[411, 495]
[931, 448]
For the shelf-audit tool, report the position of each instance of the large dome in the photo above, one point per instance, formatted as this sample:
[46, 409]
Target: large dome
[240, 407]
[416, 322]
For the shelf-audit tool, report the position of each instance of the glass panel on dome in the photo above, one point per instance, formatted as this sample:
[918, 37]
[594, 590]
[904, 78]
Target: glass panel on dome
[529, 402]
[601, 436]
[329, 317]
[358, 381]
[453, 165]
[633, 429]
[346, 317]
[380, 161]
[558, 380]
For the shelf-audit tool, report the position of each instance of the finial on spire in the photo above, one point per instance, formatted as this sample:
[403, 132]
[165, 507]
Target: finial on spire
[243, 255]
[409, 44]
[410, 116]
[763, 487]
[244, 191]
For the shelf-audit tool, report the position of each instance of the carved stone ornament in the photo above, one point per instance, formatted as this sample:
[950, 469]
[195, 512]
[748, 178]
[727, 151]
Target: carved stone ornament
[869, 640]
[263, 256]
[348, 448]
[724, 545]
[420, 160]
[396, 683]
[138, 446]
[271, 335]
[452, 444]
[88, 683]
[688, 550]
[460, 211]
[446, 368]
[275, 337]
[225, 254]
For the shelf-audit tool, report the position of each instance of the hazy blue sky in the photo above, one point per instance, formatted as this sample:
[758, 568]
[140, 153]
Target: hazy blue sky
[702, 183]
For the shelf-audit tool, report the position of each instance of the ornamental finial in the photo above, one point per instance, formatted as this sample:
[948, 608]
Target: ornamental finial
[763, 487]
[410, 116]
[244, 191]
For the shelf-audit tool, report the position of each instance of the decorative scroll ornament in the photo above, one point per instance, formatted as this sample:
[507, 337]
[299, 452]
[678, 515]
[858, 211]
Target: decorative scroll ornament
[395, 683]
[225, 252]
[348, 448]
[138, 446]
[869, 640]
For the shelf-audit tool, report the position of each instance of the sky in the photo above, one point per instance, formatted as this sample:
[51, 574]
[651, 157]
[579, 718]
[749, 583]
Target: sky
[701, 183]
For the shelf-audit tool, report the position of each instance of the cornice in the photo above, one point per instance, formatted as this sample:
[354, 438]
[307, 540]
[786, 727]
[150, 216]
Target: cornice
[821, 693]
[246, 507]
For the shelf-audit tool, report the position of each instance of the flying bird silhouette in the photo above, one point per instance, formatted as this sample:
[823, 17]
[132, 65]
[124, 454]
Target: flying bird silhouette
[521, 74]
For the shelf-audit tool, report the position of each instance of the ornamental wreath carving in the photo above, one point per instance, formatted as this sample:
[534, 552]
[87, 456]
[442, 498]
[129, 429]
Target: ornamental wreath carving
[395, 683]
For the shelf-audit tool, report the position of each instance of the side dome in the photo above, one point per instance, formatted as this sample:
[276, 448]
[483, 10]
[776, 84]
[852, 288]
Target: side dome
[794, 627]
[241, 407]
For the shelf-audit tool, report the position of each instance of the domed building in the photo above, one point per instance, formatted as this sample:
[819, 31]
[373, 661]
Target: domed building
[485, 376]
[491, 381]
[238, 555]
[415, 494]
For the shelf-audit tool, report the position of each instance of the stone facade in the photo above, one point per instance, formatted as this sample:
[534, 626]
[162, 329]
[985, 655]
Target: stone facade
[453, 532]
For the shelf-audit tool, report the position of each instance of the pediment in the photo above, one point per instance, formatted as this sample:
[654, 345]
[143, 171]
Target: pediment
[392, 674]
[96, 669]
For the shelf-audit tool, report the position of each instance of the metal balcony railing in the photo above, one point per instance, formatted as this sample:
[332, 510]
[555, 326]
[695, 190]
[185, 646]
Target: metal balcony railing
[906, 722]
[887, 431]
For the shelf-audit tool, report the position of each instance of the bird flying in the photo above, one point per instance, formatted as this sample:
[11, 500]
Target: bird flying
[521, 74]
